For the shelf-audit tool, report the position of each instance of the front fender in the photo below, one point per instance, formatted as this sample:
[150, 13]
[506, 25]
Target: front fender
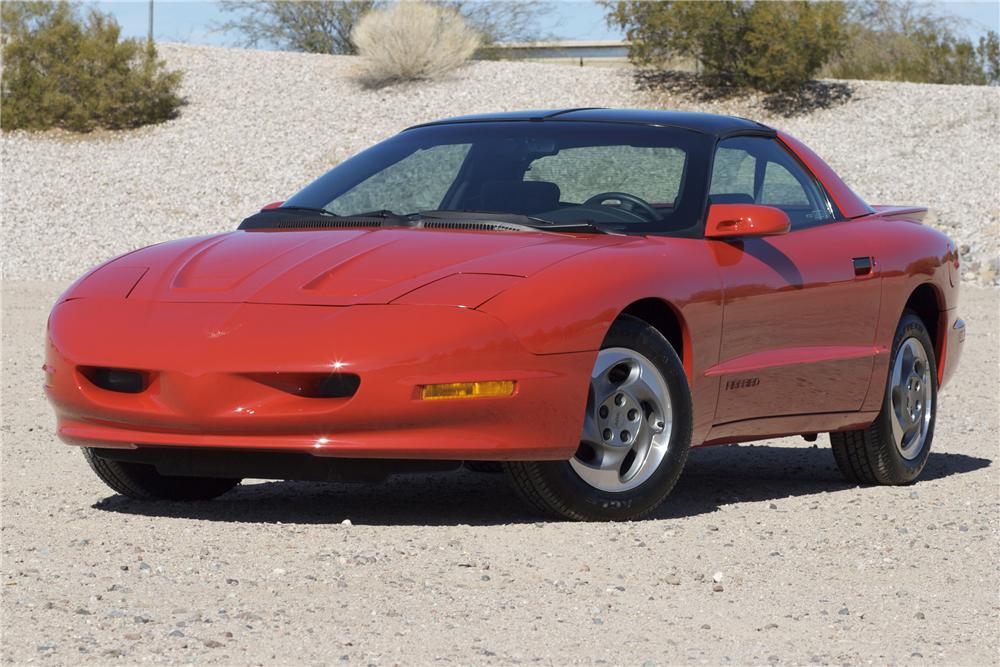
[570, 306]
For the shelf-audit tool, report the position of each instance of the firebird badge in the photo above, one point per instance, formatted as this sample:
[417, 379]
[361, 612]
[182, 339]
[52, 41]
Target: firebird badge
[744, 383]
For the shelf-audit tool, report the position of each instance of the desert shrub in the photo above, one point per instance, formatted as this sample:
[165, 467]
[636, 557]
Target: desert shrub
[765, 45]
[61, 71]
[502, 21]
[314, 26]
[325, 26]
[900, 40]
[412, 41]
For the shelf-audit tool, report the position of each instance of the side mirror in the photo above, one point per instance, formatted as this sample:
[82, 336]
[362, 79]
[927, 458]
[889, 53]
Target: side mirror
[731, 220]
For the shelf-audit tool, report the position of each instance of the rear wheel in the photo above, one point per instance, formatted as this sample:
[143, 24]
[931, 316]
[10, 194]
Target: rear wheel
[142, 482]
[894, 449]
[636, 434]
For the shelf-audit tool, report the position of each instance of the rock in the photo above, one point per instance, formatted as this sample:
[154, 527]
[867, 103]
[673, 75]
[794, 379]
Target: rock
[919, 615]
[175, 633]
[346, 522]
[844, 611]
[717, 588]
[717, 577]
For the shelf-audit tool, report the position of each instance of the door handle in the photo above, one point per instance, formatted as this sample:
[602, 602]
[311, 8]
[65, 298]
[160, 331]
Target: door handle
[863, 266]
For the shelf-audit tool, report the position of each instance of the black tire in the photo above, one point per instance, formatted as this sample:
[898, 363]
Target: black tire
[486, 467]
[142, 482]
[556, 489]
[870, 455]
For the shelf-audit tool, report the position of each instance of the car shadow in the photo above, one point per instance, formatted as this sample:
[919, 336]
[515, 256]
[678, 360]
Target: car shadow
[714, 477]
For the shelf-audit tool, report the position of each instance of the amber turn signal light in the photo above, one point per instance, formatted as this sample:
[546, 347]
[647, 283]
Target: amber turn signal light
[434, 392]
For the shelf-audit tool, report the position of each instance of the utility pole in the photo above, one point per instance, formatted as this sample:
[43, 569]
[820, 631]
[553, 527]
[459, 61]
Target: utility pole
[149, 37]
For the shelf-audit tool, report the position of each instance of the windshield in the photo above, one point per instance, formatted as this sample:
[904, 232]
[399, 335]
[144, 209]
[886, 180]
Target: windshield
[630, 178]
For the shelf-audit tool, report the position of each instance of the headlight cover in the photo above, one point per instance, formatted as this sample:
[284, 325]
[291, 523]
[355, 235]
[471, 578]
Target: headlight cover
[107, 282]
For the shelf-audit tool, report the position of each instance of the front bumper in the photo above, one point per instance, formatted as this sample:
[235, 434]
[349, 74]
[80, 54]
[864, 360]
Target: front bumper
[201, 360]
[953, 343]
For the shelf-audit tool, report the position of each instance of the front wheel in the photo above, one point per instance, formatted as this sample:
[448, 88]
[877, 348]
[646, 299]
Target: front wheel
[636, 434]
[894, 449]
[142, 481]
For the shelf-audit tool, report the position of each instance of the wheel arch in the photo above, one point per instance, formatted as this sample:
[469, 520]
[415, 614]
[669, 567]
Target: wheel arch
[665, 318]
[927, 302]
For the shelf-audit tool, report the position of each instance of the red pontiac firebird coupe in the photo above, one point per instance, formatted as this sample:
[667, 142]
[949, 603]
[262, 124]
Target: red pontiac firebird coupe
[582, 295]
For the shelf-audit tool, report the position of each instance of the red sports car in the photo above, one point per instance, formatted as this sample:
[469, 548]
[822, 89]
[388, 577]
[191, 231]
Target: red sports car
[579, 296]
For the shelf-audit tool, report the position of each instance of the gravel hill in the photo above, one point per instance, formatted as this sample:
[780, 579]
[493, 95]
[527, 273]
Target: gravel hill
[258, 125]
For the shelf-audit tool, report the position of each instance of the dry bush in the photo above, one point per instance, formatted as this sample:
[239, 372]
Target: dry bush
[412, 41]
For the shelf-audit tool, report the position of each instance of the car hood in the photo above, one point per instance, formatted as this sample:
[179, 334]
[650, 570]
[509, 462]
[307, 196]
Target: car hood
[338, 267]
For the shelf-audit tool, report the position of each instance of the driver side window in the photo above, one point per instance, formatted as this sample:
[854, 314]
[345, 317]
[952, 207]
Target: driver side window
[756, 170]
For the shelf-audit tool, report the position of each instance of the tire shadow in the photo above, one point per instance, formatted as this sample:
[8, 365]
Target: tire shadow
[713, 477]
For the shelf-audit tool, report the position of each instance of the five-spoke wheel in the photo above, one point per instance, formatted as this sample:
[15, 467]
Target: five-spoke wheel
[894, 449]
[910, 398]
[636, 433]
[627, 426]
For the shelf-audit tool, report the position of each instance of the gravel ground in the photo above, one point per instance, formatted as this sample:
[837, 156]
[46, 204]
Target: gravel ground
[451, 568]
[259, 125]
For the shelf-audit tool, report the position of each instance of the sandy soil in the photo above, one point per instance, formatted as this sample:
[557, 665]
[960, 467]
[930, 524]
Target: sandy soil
[451, 568]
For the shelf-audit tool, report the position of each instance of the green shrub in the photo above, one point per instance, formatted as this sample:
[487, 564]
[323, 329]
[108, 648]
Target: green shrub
[770, 46]
[60, 71]
[905, 41]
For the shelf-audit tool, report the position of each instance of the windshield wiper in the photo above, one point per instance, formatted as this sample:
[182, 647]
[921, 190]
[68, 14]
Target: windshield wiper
[380, 213]
[485, 216]
[585, 226]
[298, 209]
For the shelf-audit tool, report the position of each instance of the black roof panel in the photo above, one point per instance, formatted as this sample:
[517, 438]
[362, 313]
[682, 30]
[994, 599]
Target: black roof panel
[699, 122]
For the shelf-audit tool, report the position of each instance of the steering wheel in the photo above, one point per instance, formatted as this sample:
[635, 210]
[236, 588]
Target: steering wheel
[633, 204]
